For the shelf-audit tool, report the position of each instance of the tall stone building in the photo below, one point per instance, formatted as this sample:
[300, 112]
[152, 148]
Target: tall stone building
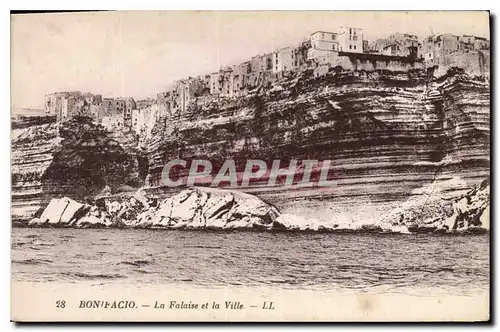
[323, 43]
[127, 112]
[350, 39]
[65, 105]
[435, 47]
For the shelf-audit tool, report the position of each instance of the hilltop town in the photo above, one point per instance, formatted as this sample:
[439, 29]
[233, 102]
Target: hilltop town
[321, 52]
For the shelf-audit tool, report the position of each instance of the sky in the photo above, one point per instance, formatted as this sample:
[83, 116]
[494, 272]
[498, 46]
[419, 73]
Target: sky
[140, 53]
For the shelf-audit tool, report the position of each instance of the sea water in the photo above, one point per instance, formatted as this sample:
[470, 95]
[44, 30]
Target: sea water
[311, 261]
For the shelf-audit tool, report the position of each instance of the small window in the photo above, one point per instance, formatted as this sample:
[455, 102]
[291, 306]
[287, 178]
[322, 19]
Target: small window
[350, 37]
[333, 37]
[354, 46]
[350, 47]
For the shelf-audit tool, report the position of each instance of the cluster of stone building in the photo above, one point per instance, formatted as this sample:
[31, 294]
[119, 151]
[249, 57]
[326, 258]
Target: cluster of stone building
[112, 113]
[431, 49]
[322, 49]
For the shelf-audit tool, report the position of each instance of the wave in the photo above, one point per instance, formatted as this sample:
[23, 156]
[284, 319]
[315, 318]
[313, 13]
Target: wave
[137, 263]
[32, 236]
[204, 247]
[32, 261]
[143, 271]
[91, 276]
[43, 244]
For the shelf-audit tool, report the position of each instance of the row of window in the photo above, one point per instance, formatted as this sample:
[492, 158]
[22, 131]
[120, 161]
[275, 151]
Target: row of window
[352, 35]
[439, 46]
[333, 36]
[334, 48]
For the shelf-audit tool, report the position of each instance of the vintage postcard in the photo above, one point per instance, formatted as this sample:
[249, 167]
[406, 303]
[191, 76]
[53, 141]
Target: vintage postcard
[267, 166]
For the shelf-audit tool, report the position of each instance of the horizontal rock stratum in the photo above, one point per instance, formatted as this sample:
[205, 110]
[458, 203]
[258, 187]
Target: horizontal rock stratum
[387, 134]
[207, 208]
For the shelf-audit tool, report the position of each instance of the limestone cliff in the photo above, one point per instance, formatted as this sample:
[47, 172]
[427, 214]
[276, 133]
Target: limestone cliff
[77, 159]
[390, 135]
[32, 143]
[387, 133]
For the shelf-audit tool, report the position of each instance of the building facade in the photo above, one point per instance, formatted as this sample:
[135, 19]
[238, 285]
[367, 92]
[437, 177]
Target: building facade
[164, 100]
[408, 43]
[435, 47]
[127, 112]
[301, 53]
[260, 67]
[138, 120]
[221, 82]
[216, 83]
[91, 99]
[143, 103]
[322, 44]
[65, 105]
[97, 112]
[394, 49]
[469, 42]
[53, 103]
[114, 104]
[239, 78]
[283, 60]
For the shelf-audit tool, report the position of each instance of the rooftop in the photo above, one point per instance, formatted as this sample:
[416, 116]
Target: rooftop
[332, 33]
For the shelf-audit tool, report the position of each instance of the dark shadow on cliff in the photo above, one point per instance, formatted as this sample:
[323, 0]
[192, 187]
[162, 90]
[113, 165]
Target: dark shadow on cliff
[88, 160]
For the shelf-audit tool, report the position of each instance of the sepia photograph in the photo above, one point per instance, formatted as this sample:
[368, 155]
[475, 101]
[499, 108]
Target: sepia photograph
[253, 166]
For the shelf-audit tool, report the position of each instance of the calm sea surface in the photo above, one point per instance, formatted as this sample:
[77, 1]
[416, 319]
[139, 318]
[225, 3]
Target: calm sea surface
[358, 262]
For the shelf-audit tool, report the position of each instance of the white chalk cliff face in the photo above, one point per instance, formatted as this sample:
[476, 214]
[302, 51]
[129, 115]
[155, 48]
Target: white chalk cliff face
[206, 208]
[388, 134]
[75, 159]
[191, 208]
